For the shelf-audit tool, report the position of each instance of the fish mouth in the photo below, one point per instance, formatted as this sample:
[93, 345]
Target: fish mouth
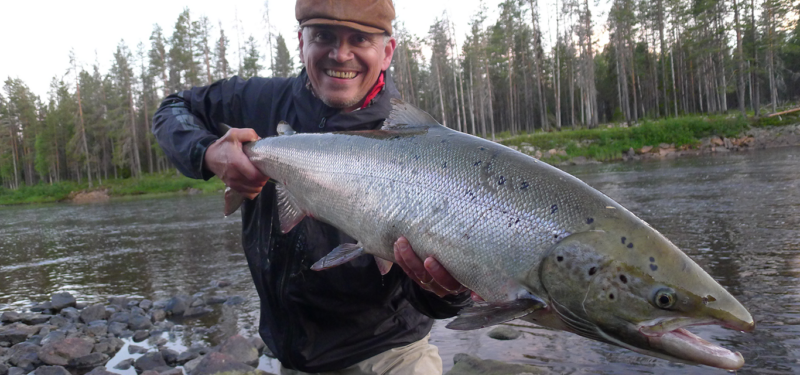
[670, 338]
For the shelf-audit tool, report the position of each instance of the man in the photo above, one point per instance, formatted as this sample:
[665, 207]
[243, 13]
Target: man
[349, 319]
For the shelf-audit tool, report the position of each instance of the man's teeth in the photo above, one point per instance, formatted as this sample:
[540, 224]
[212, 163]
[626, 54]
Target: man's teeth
[335, 74]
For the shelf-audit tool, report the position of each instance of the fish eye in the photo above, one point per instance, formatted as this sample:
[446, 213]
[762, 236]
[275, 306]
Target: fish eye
[664, 298]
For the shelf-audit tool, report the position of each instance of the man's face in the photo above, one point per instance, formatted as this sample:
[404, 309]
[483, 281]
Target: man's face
[342, 63]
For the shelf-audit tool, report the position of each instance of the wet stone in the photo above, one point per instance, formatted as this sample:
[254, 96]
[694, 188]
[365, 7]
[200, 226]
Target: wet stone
[196, 311]
[139, 322]
[185, 357]
[177, 305]
[60, 353]
[91, 360]
[25, 356]
[146, 304]
[215, 299]
[92, 313]
[116, 328]
[150, 361]
[158, 315]
[100, 371]
[504, 333]
[33, 319]
[140, 336]
[170, 356]
[51, 370]
[234, 300]
[40, 307]
[70, 313]
[241, 349]
[220, 363]
[136, 349]
[137, 311]
[9, 317]
[61, 300]
[124, 364]
[468, 365]
[16, 371]
[120, 316]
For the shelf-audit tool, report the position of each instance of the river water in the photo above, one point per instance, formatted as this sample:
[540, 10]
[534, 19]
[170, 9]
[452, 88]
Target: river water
[737, 215]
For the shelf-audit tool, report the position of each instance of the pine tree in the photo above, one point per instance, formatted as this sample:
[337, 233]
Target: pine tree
[283, 66]
[250, 65]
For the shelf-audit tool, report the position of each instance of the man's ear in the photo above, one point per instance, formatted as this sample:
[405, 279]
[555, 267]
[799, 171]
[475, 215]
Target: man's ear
[300, 38]
[389, 51]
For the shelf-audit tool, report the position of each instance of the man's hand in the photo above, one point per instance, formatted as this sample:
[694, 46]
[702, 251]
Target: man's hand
[430, 275]
[226, 159]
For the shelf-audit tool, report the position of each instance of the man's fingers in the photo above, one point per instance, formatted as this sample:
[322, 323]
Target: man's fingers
[410, 262]
[242, 135]
[442, 277]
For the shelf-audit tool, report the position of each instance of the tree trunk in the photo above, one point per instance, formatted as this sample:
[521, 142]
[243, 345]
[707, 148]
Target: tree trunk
[739, 61]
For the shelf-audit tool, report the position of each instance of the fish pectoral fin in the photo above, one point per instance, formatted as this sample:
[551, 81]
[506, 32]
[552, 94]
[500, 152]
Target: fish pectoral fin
[383, 265]
[233, 200]
[485, 315]
[289, 210]
[406, 116]
[285, 129]
[338, 256]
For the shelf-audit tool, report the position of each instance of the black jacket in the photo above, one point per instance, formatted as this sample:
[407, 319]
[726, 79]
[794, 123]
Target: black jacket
[312, 321]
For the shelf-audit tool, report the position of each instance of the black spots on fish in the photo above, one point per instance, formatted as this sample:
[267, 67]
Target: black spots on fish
[652, 259]
[501, 181]
[592, 271]
[623, 240]
[653, 267]
[444, 165]
[482, 148]
[630, 245]
[611, 296]
[444, 141]
[623, 278]
[553, 209]
[524, 185]
[416, 157]
[589, 220]
[477, 163]
[560, 258]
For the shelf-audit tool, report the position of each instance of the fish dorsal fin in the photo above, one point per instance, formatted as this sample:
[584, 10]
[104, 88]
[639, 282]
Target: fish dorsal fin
[485, 315]
[406, 116]
[338, 256]
[289, 210]
[285, 129]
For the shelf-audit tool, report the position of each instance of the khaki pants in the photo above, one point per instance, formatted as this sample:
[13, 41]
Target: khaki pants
[416, 358]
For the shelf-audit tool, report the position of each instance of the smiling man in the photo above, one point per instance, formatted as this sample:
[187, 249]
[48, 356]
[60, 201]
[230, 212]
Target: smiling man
[345, 320]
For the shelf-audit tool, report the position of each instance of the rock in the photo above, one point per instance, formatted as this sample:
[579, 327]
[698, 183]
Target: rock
[136, 349]
[221, 283]
[120, 316]
[185, 357]
[91, 360]
[717, 141]
[157, 315]
[25, 356]
[146, 304]
[53, 337]
[198, 301]
[9, 317]
[175, 371]
[631, 152]
[61, 300]
[140, 336]
[504, 333]
[3, 369]
[177, 305]
[139, 322]
[97, 328]
[51, 370]
[58, 321]
[215, 299]
[100, 371]
[40, 307]
[194, 312]
[150, 361]
[116, 328]
[234, 300]
[645, 149]
[170, 356]
[97, 196]
[219, 364]
[34, 319]
[59, 353]
[241, 349]
[258, 343]
[70, 313]
[192, 365]
[124, 364]
[150, 372]
[136, 310]
[468, 365]
[16, 371]
[92, 313]
[17, 333]
[108, 346]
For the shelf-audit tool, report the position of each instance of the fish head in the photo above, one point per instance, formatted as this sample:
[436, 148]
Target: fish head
[635, 289]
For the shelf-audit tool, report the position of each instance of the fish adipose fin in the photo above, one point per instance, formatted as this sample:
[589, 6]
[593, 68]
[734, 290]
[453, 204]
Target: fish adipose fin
[406, 116]
[338, 256]
[485, 315]
[289, 211]
[383, 265]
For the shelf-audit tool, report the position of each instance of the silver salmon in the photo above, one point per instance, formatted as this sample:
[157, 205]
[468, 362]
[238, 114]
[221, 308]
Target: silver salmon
[534, 242]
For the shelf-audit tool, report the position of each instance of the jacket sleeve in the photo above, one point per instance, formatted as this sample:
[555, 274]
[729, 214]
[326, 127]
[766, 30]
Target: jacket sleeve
[432, 305]
[186, 123]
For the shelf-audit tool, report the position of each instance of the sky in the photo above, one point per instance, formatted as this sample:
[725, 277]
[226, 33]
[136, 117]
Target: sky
[37, 36]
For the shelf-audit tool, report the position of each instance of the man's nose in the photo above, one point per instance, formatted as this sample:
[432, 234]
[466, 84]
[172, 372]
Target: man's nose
[341, 52]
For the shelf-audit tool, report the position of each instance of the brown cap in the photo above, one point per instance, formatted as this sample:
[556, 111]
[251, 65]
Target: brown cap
[370, 16]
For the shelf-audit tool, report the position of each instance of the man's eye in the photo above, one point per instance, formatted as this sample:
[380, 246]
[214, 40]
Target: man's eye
[323, 37]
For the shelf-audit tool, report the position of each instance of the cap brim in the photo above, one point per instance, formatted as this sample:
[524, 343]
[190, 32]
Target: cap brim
[348, 24]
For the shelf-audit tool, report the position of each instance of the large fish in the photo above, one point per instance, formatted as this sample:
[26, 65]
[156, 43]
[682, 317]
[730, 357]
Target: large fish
[531, 240]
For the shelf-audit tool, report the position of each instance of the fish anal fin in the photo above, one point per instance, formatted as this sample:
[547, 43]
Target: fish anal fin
[338, 256]
[233, 200]
[289, 210]
[485, 315]
[406, 116]
[383, 265]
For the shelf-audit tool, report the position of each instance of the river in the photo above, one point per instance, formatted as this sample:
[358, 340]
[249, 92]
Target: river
[737, 215]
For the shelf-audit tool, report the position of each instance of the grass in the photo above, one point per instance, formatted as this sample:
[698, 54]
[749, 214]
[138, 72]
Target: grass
[146, 185]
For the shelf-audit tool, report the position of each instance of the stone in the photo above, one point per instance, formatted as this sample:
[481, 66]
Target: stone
[170, 356]
[160, 304]
[199, 301]
[17, 333]
[241, 349]
[177, 305]
[258, 343]
[120, 316]
[118, 301]
[194, 312]
[3, 369]
[192, 365]
[108, 346]
[150, 372]
[53, 337]
[139, 322]
[220, 363]
[468, 365]
[16, 371]
[92, 313]
[91, 360]
[24, 355]
[185, 357]
[145, 304]
[124, 364]
[136, 349]
[70, 313]
[149, 361]
[40, 307]
[140, 336]
[51, 370]
[58, 321]
[161, 342]
[645, 149]
[158, 315]
[215, 299]
[9, 317]
[717, 141]
[504, 333]
[59, 353]
[234, 300]
[136, 310]
[97, 328]
[34, 319]
[61, 300]
[100, 371]
[221, 283]
[116, 328]
[175, 371]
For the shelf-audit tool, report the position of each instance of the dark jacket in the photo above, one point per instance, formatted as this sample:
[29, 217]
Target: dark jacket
[312, 321]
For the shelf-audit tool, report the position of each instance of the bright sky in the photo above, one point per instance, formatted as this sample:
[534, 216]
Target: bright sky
[38, 35]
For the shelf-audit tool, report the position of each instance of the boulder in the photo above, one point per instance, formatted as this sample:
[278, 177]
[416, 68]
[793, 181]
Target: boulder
[158, 315]
[221, 363]
[140, 336]
[124, 364]
[97, 328]
[145, 304]
[468, 365]
[100, 371]
[17, 333]
[504, 333]
[116, 328]
[177, 305]
[53, 337]
[136, 349]
[241, 349]
[175, 371]
[170, 356]
[194, 312]
[16, 371]
[185, 357]
[216, 299]
[24, 355]
[234, 300]
[91, 360]
[150, 361]
[59, 353]
[120, 316]
[192, 365]
[61, 300]
[51, 370]
[9, 317]
[34, 319]
[139, 322]
[42, 307]
[92, 313]
[70, 313]
[3, 369]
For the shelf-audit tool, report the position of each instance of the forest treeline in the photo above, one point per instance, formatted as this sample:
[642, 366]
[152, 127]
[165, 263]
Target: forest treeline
[658, 59]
